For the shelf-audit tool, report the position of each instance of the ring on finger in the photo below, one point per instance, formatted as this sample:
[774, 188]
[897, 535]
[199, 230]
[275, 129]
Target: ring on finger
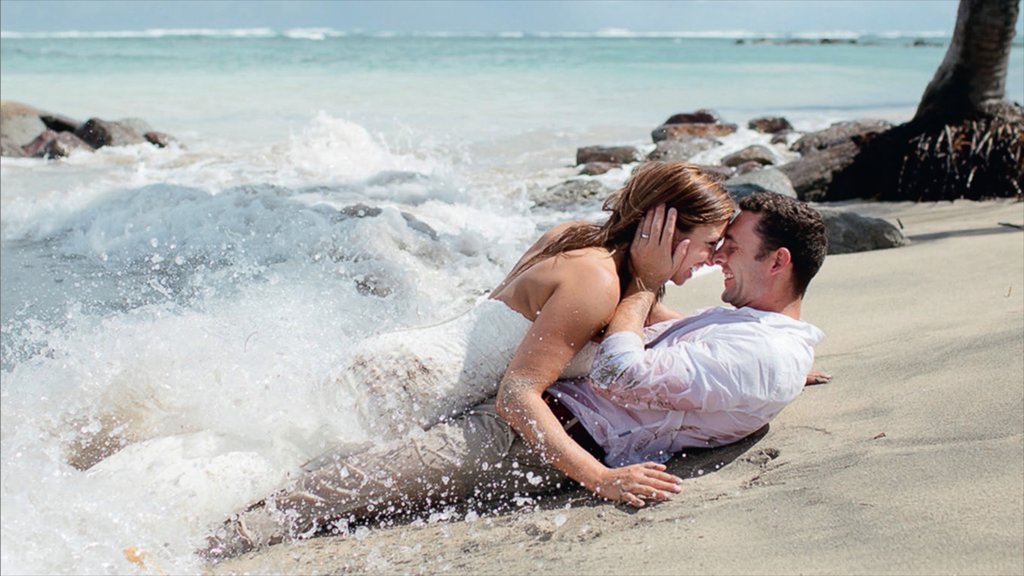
[645, 236]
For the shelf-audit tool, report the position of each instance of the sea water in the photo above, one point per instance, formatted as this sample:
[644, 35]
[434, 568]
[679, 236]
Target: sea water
[191, 302]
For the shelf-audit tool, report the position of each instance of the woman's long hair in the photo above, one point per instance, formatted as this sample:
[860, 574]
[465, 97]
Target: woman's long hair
[698, 198]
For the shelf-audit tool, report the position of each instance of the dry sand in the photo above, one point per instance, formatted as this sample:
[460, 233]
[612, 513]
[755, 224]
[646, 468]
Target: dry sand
[910, 462]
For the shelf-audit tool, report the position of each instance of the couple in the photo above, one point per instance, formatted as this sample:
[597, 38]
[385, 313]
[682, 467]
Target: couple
[658, 382]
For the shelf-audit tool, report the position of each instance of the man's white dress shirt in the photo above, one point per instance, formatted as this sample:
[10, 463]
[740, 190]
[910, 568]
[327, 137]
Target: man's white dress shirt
[707, 380]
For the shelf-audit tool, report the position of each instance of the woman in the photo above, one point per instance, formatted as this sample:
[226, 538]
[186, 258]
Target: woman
[560, 296]
[556, 299]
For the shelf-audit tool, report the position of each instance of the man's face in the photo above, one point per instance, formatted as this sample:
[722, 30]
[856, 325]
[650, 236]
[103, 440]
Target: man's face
[747, 280]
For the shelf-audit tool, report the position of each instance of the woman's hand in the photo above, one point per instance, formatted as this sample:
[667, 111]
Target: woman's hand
[636, 484]
[651, 254]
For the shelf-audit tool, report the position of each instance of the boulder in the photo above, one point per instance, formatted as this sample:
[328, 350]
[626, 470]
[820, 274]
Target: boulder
[717, 171]
[36, 147]
[857, 131]
[64, 144]
[756, 153]
[812, 174]
[10, 149]
[749, 166]
[19, 123]
[572, 192]
[849, 232]
[159, 139]
[680, 150]
[700, 129]
[98, 133]
[702, 116]
[770, 125]
[59, 123]
[765, 179]
[611, 154]
[597, 168]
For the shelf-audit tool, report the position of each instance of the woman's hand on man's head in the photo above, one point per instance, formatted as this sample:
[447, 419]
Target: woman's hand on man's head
[653, 257]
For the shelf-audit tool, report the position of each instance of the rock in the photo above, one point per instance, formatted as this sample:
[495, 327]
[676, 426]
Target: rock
[781, 138]
[766, 179]
[680, 150]
[64, 144]
[770, 125]
[849, 232]
[597, 168]
[611, 154]
[839, 133]
[36, 147]
[98, 133]
[9, 149]
[159, 139]
[572, 192]
[59, 123]
[701, 129]
[717, 171]
[756, 153]
[748, 166]
[702, 116]
[812, 174]
[19, 123]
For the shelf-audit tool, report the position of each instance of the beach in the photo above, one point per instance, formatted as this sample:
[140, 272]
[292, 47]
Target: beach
[175, 319]
[909, 462]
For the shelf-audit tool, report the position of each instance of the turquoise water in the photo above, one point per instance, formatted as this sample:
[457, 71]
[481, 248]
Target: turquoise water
[203, 293]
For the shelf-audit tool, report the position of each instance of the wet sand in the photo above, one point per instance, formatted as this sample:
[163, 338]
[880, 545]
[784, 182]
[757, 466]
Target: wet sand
[911, 461]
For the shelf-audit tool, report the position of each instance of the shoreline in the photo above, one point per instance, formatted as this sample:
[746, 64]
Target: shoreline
[894, 467]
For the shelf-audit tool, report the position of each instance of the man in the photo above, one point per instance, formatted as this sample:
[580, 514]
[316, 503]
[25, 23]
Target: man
[706, 380]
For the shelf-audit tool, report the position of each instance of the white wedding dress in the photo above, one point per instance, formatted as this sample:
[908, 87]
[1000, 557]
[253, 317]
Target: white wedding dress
[419, 376]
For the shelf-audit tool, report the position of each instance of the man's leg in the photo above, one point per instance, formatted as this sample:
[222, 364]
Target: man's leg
[476, 455]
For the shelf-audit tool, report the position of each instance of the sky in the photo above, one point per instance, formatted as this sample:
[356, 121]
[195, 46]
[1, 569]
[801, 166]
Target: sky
[485, 16]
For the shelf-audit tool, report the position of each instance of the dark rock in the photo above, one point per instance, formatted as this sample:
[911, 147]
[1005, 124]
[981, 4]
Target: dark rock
[597, 168]
[19, 123]
[780, 138]
[418, 225]
[682, 131]
[767, 179]
[572, 192]
[756, 153]
[98, 133]
[36, 147]
[64, 144]
[812, 174]
[858, 131]
[849, 232]
[159, 139]
[59, 123]
[770, 125]
[680, 150]
[702, 116]
[611, 154]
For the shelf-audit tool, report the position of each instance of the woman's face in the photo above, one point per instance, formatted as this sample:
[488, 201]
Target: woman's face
[703, 241]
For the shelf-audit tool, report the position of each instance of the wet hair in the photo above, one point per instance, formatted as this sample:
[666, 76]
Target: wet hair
[789, 223]
[698, 197]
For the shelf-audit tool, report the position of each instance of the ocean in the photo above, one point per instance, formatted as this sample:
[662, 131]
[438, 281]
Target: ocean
[325, 186]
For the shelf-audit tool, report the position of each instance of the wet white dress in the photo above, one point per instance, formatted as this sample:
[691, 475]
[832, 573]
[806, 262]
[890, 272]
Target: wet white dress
[418, 377]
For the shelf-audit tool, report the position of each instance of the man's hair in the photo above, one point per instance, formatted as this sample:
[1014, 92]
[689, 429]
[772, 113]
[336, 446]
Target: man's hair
[789, 223]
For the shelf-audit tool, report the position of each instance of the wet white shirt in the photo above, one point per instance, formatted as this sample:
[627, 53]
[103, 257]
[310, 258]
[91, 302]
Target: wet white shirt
[707, 380]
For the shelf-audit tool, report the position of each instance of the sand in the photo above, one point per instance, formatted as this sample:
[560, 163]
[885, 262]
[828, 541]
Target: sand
[911, 461]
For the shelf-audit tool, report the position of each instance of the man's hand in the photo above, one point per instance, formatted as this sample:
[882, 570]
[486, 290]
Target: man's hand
[636, 484]
[652, 258]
